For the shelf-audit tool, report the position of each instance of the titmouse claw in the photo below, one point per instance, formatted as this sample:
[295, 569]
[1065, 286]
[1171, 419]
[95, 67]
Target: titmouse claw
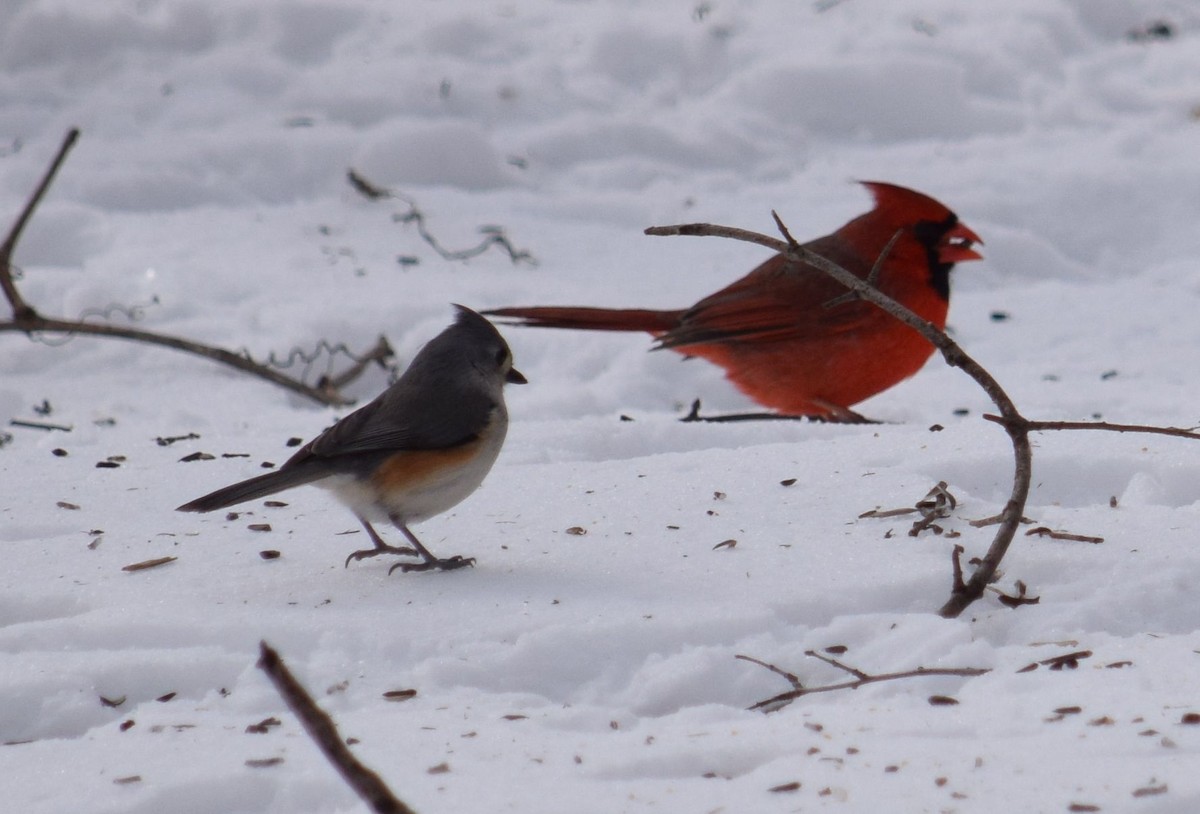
[447, 564]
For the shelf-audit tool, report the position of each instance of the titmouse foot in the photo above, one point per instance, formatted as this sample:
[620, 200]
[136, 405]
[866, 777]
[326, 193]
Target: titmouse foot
[402, 551]
[435, 564]
[380, 547]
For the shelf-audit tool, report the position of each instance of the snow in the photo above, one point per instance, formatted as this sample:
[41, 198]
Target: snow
[208, 194]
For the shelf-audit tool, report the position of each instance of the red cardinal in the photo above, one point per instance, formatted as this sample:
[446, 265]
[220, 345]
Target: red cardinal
[785, 334]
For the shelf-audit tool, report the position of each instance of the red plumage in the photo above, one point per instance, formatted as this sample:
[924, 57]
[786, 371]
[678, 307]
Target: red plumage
[785, 334]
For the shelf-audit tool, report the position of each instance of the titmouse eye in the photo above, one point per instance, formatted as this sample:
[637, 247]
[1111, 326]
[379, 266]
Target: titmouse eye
[501, 357]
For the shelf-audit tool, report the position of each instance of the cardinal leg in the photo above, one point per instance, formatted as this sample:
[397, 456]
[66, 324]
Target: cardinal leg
[836, 415]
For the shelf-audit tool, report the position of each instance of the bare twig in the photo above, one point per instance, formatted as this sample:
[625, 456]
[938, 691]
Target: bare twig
[22, 309]
[842, 415]
[963, 593]
[40, 324]
[367, 189]
[145, 565]
[39, 425]
[379, 354]
[694, 415]
[860, 679]
[494, 235]
[884, 513]
[26, 319]
[956, 571]
[791, 678]
[1021, 597]
[321, 728]
[1069, 661]
[1044, 531]
[993, 520]
[872, 277]
[1046, 426]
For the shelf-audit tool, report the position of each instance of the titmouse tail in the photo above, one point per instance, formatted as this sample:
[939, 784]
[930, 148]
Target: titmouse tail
[591, 319]
[260, 486]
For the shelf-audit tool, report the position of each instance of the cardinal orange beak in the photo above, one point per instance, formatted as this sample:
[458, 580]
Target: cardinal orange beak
[957, 245]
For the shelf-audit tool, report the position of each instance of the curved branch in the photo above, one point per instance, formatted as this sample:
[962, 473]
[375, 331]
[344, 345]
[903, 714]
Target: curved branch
[963, 593]
[19, 306]
[26, 319]
[39, 324]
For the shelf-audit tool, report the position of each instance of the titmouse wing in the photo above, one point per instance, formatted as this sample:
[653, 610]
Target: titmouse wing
[406, 417]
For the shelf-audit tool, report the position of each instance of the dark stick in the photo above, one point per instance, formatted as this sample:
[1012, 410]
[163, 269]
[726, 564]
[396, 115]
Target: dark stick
[321, 728]
[1013, 422]
[694, 415]
[843, 417]
[27, 320]
[378, 354]
[860, 679]
[39, 425]
[1045, 426]
[494, 235]
[20, 307]
[35, 323]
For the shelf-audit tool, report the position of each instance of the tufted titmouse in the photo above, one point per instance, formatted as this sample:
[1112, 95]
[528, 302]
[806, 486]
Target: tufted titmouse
[421, 447]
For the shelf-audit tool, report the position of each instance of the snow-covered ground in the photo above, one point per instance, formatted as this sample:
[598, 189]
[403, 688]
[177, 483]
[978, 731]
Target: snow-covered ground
[596, 672]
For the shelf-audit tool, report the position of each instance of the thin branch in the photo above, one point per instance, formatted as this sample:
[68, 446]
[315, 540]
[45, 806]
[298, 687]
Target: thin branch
[321, 728]
[39, 425]
[365, 188]
[1046, 426]
[861, 678]
[494, 235]
[872, 277]
[956, 569]
[963, 593]
[1022, 596]
[845, 668]
[693, 415]
[791, 678]
[39, 324]
[837, 415]
[1044, 531]
[26, 319]
[377, 355]
[993, 520]
[19, 306]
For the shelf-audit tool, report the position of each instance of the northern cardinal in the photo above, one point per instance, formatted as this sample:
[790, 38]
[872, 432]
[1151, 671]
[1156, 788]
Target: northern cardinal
[785, 333]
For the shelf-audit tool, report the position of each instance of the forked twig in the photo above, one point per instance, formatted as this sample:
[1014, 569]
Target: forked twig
[321, 728]
[861, 678]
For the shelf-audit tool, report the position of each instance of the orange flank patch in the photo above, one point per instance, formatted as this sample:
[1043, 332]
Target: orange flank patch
[413, 469]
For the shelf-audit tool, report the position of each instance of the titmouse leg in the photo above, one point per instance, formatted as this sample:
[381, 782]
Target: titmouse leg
[431, 562]
[380, 547]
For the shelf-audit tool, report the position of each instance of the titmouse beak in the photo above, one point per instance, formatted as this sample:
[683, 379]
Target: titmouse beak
[515, 376]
